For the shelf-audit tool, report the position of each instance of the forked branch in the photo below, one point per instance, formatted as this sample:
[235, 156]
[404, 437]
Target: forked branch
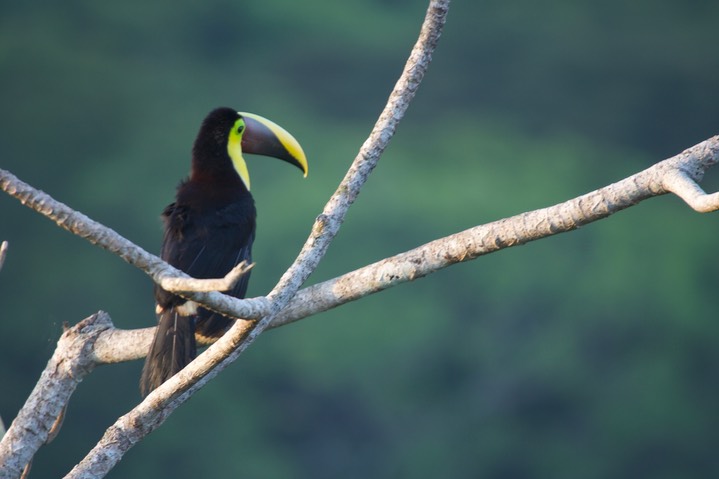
[678, 175]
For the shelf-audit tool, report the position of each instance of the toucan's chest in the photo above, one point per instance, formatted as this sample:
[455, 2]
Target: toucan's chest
[206, 208]
[207, 232]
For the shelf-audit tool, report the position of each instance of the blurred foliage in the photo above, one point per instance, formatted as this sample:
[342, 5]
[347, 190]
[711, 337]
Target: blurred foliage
[590, 355]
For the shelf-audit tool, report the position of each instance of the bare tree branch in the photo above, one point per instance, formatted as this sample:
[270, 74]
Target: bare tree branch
[328, 223]
[677, 175]
[35, 422]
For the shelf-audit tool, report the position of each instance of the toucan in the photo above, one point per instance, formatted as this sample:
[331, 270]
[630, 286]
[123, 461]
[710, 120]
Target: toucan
[209, 229]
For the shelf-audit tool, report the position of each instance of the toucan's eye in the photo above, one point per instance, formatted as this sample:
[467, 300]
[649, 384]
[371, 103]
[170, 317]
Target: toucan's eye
[240, 129]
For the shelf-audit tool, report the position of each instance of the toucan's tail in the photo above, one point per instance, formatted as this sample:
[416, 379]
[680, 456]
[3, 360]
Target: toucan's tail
[172, 349]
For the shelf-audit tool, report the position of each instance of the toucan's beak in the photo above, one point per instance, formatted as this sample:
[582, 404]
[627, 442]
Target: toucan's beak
[264, 137]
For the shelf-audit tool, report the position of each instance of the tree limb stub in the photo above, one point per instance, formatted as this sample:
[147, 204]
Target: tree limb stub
[176, 284]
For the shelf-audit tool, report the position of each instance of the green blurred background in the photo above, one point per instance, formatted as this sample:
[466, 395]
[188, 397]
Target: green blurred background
[592, 354]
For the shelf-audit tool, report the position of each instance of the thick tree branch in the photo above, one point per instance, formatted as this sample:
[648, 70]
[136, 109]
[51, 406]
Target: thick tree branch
[36, 421]
[690, 166]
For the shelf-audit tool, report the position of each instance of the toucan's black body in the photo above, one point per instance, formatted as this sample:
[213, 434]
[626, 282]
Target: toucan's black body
[209, 229]
[205, 239]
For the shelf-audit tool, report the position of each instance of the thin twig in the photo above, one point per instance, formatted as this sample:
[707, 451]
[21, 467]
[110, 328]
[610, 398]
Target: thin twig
[175, 284]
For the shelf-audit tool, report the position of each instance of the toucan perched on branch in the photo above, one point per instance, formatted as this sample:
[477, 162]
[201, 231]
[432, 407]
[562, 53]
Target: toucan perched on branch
[209, 229]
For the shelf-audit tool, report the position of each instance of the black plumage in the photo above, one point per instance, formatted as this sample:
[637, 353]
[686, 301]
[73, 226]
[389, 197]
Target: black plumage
[208, 230]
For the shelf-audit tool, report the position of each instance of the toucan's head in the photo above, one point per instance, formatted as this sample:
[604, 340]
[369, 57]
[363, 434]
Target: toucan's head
[226, 134]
